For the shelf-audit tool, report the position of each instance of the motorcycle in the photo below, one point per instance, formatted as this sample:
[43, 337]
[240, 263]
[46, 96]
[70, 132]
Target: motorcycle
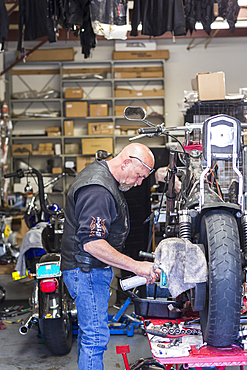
[53, 309]
[208, 216]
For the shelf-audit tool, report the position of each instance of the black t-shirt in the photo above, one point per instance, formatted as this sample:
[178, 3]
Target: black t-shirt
[95, 210]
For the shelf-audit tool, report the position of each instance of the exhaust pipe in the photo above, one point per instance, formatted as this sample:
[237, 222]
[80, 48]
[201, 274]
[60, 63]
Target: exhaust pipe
[30, 320]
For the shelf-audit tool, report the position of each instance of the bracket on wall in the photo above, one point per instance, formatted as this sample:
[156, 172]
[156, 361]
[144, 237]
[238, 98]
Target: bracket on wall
[191, 46]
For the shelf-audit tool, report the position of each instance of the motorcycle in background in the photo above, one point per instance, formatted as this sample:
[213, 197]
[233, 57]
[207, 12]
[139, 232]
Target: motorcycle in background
[52, 307]
[207, 216]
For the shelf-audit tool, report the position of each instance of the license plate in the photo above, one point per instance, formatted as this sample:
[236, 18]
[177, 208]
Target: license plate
[48, 269]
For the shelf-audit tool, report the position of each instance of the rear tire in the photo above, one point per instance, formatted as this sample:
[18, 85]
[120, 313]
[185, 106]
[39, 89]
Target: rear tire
[220, 318]
[58, 332]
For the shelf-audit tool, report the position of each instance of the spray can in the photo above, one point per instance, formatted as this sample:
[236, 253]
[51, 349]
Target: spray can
[132, 282]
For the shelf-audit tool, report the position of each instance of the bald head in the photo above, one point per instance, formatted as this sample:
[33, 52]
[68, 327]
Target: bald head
[138, 150]
[127, 166]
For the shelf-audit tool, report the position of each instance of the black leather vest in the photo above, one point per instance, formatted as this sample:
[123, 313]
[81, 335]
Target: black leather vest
[73, 254]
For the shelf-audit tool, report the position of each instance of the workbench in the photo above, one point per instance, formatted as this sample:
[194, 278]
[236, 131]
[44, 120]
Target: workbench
[206, 356]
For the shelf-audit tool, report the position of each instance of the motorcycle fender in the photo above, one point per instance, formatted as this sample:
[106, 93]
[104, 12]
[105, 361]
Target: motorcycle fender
[230, 207]
[50, 304]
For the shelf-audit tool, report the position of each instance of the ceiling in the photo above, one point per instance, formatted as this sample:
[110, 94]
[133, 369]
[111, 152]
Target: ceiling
[220, 27]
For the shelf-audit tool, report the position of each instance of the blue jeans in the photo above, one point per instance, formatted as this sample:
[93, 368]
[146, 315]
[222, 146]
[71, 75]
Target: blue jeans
[91, 292]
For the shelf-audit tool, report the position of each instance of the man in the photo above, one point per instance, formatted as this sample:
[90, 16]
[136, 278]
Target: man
[96, 226]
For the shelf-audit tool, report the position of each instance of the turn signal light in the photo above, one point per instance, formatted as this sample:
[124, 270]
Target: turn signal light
[49, 285]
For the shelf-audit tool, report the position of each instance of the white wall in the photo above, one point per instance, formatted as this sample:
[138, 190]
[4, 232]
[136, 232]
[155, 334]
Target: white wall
[222, 54]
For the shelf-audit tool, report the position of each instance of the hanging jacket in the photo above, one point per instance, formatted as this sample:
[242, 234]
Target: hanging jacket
[109, 11]
[203, 11]
[158, 17]
[33, 15]
[199, 11]
[229, 9]
[73, 254]
[79, 15]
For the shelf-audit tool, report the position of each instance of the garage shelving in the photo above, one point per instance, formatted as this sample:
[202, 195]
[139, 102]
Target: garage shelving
[99, 80]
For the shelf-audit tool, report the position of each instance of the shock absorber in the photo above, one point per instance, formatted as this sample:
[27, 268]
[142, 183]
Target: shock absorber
[244, 228]
[184, 224]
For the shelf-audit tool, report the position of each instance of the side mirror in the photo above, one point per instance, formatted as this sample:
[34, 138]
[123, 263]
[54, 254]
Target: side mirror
[135, 113]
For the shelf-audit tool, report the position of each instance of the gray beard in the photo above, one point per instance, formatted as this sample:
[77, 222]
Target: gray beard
[125, 187]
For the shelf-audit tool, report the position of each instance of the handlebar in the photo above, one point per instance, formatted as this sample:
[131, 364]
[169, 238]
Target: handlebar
[150, 130]
[20, 173]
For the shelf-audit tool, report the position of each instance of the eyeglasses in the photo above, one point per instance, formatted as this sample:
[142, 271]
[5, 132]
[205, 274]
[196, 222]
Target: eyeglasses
[151, 170]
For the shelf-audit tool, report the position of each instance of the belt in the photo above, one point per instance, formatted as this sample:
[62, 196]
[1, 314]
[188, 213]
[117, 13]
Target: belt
[90, 262]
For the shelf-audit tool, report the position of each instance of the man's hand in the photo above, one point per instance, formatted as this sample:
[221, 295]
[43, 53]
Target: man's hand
[103, 251]
[160, 175]
[146, 269]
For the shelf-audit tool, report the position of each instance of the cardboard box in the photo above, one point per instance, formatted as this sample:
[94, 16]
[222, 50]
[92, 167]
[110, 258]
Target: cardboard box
[53, 129]
[125, 93]
[57, 170]
[125, 129]
[72, 148]
[211, 86]
[127, 45]
[51, 55]
[119, 109]
[151, 54]
[101, 128]
[43, 152]
[76, 109]
[20, 227]
[45, 146]
[69, 128]
[73, 93]
[90, 146]
[98, 110]
[139, 72]
[245, 138]
[21, 149]
[51, 133]
[82, 162]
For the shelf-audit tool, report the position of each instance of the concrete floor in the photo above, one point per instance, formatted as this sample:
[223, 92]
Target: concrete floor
[29, 352]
